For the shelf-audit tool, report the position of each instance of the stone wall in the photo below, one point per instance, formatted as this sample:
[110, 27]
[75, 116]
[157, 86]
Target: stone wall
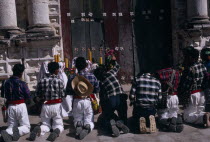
[190, 25]
[34, 39]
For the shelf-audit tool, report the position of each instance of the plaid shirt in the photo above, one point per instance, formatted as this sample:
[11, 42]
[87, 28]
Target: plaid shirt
[165, 78]
[110, 84]
[50, 88]
[89, 76]
[15, 89]
[192, 79]
[146, 90]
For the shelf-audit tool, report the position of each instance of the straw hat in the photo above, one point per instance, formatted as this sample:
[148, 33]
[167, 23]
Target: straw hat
[81, 86]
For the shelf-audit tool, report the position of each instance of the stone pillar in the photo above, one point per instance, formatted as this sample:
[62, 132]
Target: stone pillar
[197, 11]
[8, 16]
[38, 15]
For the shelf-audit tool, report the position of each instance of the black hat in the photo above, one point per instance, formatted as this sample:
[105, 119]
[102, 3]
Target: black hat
[205, 53]
[191, 51]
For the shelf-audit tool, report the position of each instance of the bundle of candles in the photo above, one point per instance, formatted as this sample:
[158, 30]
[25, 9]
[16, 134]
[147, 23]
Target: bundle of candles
[57, 59]
[90, 57]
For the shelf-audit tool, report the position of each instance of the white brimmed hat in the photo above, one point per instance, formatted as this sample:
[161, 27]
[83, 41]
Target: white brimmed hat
[81, 86]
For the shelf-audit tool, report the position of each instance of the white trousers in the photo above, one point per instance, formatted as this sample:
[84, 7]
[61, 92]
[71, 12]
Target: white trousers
[51, 112]
[195, 111]
[83, 111]
[172, 108]
[18, 117]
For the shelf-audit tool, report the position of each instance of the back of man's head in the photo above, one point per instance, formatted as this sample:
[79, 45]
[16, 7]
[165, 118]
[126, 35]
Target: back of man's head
[191, 52]
[18, 69]
[80, 63]
[53, 67]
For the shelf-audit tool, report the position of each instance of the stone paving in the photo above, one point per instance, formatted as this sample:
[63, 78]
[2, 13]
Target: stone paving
[190, 134]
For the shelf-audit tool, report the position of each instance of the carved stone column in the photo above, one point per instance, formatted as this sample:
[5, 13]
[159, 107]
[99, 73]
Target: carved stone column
[197, 11]
[38, 15]
[8, 16]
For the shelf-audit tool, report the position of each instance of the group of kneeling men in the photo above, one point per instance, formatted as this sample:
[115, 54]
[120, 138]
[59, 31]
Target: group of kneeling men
[157, 93]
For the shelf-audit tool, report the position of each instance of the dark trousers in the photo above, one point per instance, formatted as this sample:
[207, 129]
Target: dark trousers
[207, 97]
[115, 103]
[143, 112]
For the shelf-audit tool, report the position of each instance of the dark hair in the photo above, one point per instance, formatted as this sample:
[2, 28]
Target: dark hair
[18, 69]
[191, 51]
[93, 60]
[100, 72]
[52, 67]
[80, 63]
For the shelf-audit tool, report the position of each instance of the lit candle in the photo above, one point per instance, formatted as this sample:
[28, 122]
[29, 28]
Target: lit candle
[100, 60]
[90, 55]
[66, 63]
[55, 58]
[58, 58]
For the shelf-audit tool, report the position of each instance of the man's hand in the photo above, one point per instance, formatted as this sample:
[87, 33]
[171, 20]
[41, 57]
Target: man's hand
[114, 58]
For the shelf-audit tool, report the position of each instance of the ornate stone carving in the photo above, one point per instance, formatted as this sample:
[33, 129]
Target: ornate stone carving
[46, 52]
[32, 53]
[2, 68]
[15, 53]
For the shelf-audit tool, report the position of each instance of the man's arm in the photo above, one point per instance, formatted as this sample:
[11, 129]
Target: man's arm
[96, 86]
[69, 89]
[2, 88]
[26, 91]
[62, 89]
[115, 69]
[132, 93]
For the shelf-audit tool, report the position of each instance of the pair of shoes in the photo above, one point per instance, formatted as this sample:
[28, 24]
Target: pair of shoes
[206, 120]
[53, 135]
[143, 127]
[122, 126]
[115, 130]
[84, 132]
[5, 136]
[8, 138]
[36, 132]
[176, 124]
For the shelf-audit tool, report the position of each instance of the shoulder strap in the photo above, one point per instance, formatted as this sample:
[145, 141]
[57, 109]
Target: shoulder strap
[4, 92]
[170, 83]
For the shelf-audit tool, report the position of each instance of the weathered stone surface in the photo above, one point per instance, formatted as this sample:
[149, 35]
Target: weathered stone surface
[38, 12]
[197, 10]
[8, 16]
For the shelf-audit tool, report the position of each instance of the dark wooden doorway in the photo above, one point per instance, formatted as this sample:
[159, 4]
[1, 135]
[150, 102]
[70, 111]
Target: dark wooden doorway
[153, 34]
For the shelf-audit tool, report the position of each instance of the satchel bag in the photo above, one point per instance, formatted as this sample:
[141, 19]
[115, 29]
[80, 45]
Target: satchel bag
[95, 105]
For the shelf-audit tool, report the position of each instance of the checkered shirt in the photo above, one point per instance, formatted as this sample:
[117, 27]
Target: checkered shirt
[192, 79]
[50, 88]
[165, 77]
[146, 90]
[110, 84]
[89, 76]
[15, 89]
